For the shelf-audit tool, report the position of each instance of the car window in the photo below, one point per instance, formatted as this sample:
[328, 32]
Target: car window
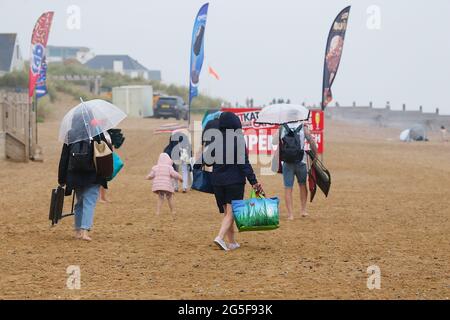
[170, 101]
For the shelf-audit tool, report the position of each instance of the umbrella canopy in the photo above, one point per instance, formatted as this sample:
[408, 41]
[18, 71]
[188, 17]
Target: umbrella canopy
[89, 119]
[282, 113]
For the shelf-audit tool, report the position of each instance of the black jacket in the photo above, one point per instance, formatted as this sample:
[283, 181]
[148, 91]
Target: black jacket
[226, 173]
[74, 180]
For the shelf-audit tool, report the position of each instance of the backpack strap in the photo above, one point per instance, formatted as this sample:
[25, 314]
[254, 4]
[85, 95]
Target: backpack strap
[287, 128]
[299, 128]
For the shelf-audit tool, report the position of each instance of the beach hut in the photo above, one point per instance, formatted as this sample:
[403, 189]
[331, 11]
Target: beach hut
[135, 101]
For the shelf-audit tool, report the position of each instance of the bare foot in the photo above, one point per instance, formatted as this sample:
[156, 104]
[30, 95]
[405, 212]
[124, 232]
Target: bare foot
[78, 234]
[85, 236]
[290, 217]
[305, 214]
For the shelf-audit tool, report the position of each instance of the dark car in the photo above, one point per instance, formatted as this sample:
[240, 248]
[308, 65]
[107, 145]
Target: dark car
[171, 107]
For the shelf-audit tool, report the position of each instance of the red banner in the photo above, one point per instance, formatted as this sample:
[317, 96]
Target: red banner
[38, 43]
[316, 126]
[257, 136]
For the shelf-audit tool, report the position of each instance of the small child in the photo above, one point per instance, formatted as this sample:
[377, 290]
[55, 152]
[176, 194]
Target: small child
[162, 175]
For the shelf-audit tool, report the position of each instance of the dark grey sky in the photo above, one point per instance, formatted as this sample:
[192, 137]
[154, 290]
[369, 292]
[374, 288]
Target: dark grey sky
[265, 49]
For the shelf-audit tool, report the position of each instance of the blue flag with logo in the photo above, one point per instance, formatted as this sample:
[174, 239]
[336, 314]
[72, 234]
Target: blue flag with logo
[41, 85]
[197, 51]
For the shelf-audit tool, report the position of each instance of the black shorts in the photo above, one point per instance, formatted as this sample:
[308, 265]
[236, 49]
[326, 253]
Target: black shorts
[225, 194]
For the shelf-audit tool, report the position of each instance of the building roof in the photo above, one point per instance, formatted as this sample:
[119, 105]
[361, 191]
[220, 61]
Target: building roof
[106, 62]
[69, 47]
[7, 42]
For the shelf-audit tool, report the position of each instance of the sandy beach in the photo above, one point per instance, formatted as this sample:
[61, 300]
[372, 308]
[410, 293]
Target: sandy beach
[388, 206]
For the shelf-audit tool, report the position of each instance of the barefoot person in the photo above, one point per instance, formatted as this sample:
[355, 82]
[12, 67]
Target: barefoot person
[77, 172]
[162, 175]
[294, 162]
[230, 170]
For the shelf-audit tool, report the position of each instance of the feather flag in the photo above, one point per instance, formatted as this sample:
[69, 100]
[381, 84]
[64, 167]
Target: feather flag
[38, 43]
[333, 54]
[197, 54]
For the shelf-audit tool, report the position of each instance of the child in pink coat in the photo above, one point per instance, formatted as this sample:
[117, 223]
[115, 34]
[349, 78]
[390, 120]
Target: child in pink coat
[162, 175]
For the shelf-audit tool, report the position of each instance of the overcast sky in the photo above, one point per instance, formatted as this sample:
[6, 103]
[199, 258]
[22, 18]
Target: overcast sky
[266, 48]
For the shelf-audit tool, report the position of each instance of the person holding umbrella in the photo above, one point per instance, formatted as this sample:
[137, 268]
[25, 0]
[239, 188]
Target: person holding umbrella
[290, 140]
[81, 129]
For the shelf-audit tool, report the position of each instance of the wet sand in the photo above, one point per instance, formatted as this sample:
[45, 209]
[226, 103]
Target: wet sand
[388, 206]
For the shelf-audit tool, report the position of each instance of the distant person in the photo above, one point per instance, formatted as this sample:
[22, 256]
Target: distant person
[179, 150]
[185, 164]
[162, 175]
[78, 174]
[228, 177]
[444, 137]
[294, 162]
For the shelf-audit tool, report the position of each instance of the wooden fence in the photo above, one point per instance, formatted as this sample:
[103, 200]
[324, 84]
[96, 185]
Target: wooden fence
[17, 126]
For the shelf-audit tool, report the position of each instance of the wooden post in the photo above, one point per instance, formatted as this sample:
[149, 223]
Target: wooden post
[26, 110]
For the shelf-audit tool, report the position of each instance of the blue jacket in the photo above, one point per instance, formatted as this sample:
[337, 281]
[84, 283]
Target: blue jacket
[228, 173]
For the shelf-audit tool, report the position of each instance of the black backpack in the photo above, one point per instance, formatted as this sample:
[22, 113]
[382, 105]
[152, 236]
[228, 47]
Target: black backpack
[81, 157]
[291, 146]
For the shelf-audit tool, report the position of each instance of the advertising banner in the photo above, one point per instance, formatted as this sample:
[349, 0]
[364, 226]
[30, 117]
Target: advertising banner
[333, 54]
[258, 137]
[38, 44]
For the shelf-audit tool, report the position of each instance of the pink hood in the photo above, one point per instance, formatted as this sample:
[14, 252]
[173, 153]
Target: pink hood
[164, 159]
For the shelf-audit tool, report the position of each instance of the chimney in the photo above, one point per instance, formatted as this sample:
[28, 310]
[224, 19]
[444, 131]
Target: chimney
[370, 104]
[404, 107]
[388, 105]
[437, 110]
[354, 104]
[420, 109]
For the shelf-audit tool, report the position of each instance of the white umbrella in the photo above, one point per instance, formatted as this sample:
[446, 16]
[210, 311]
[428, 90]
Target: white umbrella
[282, 113]
[89, 119]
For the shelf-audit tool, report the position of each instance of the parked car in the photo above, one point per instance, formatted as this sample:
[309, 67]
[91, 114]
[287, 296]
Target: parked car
[171, 106]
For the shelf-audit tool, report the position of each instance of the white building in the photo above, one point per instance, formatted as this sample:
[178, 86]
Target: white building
[135, 101]
[61, 53]
[123, 64]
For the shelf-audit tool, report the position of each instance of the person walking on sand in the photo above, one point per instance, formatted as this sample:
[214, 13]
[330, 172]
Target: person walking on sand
[291, 140]
[230, 170]
[179, 150]
[444, 137]
[78, 173]
[162, 175]
[185, 164]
